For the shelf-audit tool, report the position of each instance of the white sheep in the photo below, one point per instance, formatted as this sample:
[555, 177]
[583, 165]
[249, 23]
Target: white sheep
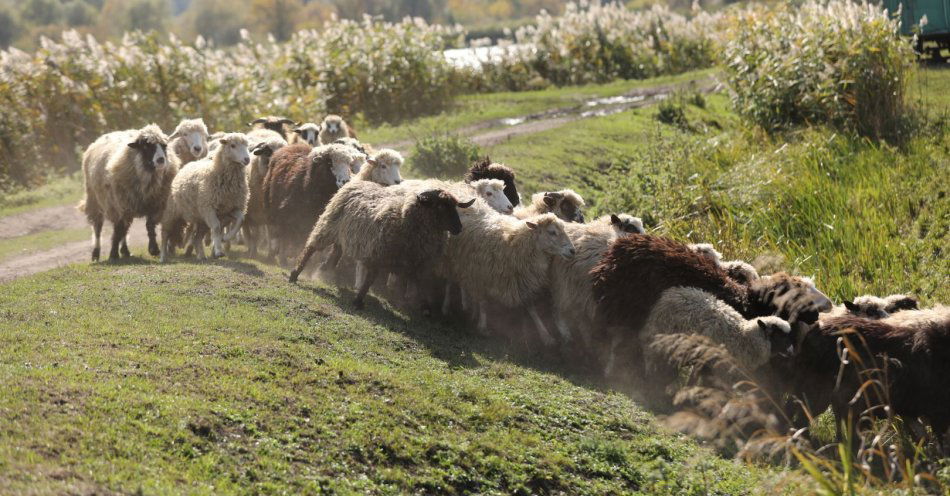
[498, 258]
[123, 175]
[687, 310]
[206, 192]
[307, 132]
[492, 192]
[571, 291]
[255, 221]
[566, 204]
[739, 271]
[333, 128]
[188, 142]
[383, 168]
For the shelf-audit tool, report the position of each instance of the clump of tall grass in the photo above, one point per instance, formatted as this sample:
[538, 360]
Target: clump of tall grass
[840, 62]
[443, 155]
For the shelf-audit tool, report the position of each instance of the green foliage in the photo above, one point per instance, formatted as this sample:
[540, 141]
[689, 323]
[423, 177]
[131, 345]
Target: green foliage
[443, 156]
[842, 62]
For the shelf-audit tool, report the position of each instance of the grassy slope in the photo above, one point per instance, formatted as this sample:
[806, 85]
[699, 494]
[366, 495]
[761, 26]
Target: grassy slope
[861, 217]
[222, 378]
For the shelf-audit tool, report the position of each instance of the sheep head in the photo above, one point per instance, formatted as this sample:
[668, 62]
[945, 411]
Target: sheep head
[273, 123]
[151, 144]
[493, 192]
[383, 168]
[443, 205]
[234, 149]
[485, 169]
[566, 204]
[779, 333]
[624, 224]
[308, 132]
[549, 231]
[194, 133]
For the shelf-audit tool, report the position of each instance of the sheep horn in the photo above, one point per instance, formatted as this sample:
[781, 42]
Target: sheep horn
[288, 121]
[467, 204]
[259, 120]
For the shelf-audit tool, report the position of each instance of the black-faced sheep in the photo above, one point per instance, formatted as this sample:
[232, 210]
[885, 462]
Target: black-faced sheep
[306, 133]
[565, 204]
[274, 123]
[386, 229]
[505, 260]
[299, 183]
[485, 169]
[333, 128]
[571, 293]
[255, 221]
[124, 177]
[207, 192]
[912, 345]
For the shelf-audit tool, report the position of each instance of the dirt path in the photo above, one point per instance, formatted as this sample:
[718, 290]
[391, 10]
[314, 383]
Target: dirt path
[484, 133]
[57, 218]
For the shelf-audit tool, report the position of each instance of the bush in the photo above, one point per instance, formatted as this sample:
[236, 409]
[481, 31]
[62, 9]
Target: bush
[443, 156]
[841, 62]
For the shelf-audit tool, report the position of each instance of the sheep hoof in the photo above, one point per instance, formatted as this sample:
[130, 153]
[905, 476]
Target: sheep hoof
[358, 303]
[125, 252]
[95, 254]
[153, 248]
[217, 254]
[293, 276]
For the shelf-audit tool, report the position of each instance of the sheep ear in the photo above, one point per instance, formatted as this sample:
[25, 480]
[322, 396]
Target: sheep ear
[762, 326]
[259, 149]
[467, 204]
[174, 135]
[371, 161]
[851, 306]
[531, 225]
[614, 219]
[550, 199]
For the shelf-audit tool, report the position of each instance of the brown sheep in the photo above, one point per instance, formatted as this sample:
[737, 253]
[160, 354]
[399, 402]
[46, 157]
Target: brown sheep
[485, 169]
[255, 219]
[297, 187]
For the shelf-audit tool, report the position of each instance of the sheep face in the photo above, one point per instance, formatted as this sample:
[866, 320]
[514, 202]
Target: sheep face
[485, 169]
[444, 206]
[152, 151]
[333, 124]
[353, 143]
[308, 132]
[565, 204]
[898, 302]
[385, 172]
[779, 333]
[870, 307]
[551, 236]
[624, 224]
[493, 192]
[264, 152]
[234, 146]
[793, 298]
[341, 164]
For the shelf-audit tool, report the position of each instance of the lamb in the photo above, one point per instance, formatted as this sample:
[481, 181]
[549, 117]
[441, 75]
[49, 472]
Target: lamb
[124, 177]
[574, 305]
[333, 128]
[386, 229]
[273, 123]
[506, 260]
[305, 133]
[206, 192]
[299, 183]
[255, 219]
[566, 204]
[916, 344]
[684, 310]
[485, 169]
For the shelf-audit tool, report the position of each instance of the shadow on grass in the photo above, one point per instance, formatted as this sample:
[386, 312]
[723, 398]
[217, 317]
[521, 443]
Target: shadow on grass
[233, 263]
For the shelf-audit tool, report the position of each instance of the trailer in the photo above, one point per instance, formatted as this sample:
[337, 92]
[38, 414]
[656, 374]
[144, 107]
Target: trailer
[933, 36]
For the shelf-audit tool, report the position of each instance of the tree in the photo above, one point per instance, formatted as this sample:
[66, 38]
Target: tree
[79, 13]
[216, 20]
[147, 15]
[9, 29]
[41, 12]
[277, 17]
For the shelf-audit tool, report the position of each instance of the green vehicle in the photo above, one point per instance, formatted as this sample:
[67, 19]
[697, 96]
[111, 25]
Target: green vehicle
[935, 35]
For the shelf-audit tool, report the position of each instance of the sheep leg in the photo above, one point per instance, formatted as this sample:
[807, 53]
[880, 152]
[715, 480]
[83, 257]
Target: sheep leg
[124, 246]
[542, 329]
[211, 219]
[250, 240]
[119, 228]
[96, 236]
[464, 299]
[370, 277]
[150, 223]
[360, 273]
[482, 319]
[235, 227]
[304, 257]
[332, 259]
[562, 328]
[611, 355]
[447, 299]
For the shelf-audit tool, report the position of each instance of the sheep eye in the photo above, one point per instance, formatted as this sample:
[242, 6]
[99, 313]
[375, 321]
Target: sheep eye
[488, 194]
[233, 145]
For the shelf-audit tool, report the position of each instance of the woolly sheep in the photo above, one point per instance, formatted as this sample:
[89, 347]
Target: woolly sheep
[571, 293]
[872, 307]
[739, 271]
[385, 229]
[492, 192]
[683, 310]
[382, 168]
[206, 192]
[305, 133]
[502, 259]
[566, 204]
[188, 142]
[299, 183]
[333, 128]
[255, 219]
[274, 123]
[123, 175]
[486, 169]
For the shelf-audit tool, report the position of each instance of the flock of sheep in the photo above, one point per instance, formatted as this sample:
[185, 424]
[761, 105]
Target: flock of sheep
[470, 247]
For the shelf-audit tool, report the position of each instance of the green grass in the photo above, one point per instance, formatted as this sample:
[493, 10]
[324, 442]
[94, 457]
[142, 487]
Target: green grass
[474, 109]
[58, 191]
[222, 378]
[22, 245]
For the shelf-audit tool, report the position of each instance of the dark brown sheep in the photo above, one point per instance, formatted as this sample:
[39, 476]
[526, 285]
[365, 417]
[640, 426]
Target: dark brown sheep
[913, 347]
[298, 185]
[485, 169]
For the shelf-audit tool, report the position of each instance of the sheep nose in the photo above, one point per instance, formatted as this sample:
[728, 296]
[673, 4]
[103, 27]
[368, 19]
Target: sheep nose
[511, 209]
[398, 181]
[572, 251]
[247, 160]
[197, 149]
[160, 160]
